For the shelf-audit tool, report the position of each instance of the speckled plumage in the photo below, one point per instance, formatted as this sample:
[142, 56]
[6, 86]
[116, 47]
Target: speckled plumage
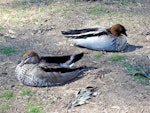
[33, 72]
[104, 39]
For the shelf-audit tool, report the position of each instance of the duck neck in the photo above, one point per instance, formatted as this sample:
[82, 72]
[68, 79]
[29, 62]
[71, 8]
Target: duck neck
[108, 30]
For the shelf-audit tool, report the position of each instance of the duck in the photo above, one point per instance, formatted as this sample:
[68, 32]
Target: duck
[112, 39]
[45, 71]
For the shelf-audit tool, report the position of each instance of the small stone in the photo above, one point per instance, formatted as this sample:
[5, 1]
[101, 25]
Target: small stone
[145, 33]
[12, 86]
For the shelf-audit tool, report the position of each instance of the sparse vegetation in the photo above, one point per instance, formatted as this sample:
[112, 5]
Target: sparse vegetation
[58, 9]
[98, 55]
[7, 51]
[138, 75]
[26, 92]
[4, 107]
[1, 28]
[6, 95]
[97, 10]
[130, 69]
[117, 57]
[28, 3]
[33, 108]
[142, 79]
[126, 2]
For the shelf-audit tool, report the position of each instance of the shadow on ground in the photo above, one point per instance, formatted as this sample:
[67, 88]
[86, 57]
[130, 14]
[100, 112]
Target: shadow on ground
[131, 48]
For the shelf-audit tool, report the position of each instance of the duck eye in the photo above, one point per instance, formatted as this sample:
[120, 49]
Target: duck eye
[27, 57]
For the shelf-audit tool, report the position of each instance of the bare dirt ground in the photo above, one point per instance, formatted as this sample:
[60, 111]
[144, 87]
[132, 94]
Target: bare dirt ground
[36, 25]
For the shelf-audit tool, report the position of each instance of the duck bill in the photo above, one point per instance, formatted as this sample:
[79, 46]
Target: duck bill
[21, 63]
[125, 34]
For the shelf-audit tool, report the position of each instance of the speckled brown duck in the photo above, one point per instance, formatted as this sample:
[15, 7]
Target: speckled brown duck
[47, 70]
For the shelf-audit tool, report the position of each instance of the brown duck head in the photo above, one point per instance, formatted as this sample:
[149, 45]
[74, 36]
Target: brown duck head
[117, 30]
[30, 57]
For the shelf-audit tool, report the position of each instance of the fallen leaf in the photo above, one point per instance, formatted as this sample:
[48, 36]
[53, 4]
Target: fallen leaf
[82, 96]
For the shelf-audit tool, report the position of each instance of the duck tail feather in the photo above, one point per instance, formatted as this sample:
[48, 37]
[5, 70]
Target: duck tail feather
[73, 58]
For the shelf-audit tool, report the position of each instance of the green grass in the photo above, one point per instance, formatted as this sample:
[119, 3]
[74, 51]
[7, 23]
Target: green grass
[26, 3]
[97, 10]
[33, 108]
[21, 4]
[138, 75]
[22, 12]
[4, 107]
[18, 16]
[59, 9]
[98, 55]
[35, 1]
[126, 2]
[141, 79]
[42, 9]
[130, 69]
[1, 28]
[7, 51]
[26, 92]
[117, 57]
[6, 95]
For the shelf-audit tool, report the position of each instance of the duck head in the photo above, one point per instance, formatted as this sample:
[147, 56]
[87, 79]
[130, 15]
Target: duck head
[117, 30]
[30, 57]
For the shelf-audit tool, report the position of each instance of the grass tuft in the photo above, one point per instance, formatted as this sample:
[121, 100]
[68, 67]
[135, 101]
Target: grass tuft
[27, 3]
[116, 57]
[26, 92]
[98, 10]
[1, 28]
[33, 108]
[130, 69]
[126, 2]
[7, 95]
[4, 107]
[7, 51]
[142, 79]
[98, 55]
[138, 74]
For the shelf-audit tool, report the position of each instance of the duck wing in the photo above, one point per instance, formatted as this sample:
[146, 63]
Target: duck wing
[64, 61]
[60, 69]
[84, 33]
[59, 76]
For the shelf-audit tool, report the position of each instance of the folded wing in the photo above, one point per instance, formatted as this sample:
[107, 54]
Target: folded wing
[84, 33]
[63, 61]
